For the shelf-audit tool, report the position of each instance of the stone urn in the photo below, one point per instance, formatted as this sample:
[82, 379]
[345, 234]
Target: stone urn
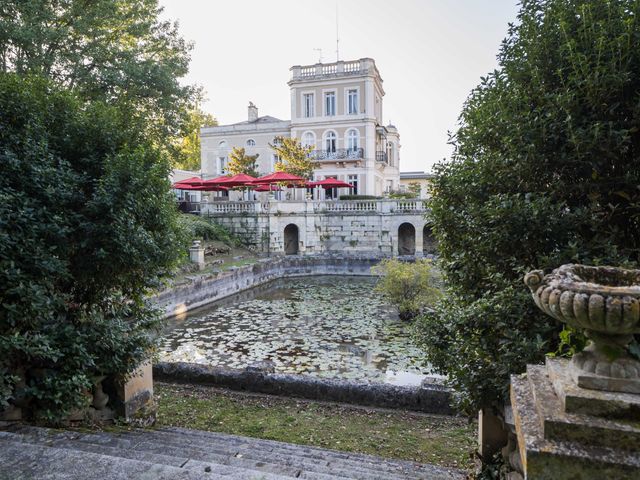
[603, 302]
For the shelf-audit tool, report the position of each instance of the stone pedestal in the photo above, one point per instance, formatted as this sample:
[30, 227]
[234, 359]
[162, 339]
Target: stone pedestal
[196, 254]
[568, 432]
[134, 397]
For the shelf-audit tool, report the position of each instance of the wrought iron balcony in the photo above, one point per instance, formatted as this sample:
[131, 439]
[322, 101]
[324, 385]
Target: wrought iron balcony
[382, 157]
[338, 154]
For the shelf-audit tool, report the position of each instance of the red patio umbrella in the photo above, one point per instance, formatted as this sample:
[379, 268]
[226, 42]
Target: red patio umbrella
[193, 181]
[200, 188]
[239, 180]
[267, 188]
[330, 183]
[278, 177]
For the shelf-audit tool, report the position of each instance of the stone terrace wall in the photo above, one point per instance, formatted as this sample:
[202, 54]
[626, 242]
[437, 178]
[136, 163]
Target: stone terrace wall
[204, 289]
[358, 226]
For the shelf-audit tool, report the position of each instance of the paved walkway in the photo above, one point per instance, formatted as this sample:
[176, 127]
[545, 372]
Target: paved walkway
[174, 453]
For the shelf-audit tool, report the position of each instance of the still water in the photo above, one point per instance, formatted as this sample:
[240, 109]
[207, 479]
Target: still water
[328, 326]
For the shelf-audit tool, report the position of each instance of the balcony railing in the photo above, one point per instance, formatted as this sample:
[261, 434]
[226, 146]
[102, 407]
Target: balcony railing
[338, 154]
[382, 157]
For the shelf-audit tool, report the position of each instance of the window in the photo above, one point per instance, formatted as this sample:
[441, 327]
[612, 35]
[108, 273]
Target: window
[251, 142]
[330, 142]
[352, 101]
[221, 168]
[307, 105]
[274, 159]
[353, 180]
[222, 144]
[277, 141]
[353, 139]
[309, 139]
[330, 104]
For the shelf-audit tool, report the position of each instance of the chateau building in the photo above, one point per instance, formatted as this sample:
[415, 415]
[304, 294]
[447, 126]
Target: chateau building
[337, 109]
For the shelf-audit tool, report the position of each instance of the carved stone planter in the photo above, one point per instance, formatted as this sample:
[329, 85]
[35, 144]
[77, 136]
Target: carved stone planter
[604, 302]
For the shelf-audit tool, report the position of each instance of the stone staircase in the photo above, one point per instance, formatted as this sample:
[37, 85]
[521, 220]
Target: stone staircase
[28, 452]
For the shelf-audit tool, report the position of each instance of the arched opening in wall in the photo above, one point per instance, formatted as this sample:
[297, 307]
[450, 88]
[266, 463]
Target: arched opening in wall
[406, 239]
[291, 239]
[429, 245]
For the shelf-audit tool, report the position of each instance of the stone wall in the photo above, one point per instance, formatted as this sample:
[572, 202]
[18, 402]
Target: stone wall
[369, 226]
[204, 289]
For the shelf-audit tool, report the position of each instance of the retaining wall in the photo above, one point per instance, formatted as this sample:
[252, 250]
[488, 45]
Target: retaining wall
[428, 397]
[204, 289]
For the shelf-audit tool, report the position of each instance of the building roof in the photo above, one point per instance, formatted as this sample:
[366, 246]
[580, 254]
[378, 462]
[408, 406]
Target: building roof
[263, 119]
[415, 175]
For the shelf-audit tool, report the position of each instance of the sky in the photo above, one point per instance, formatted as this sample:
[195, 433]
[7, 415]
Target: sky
[430, 54]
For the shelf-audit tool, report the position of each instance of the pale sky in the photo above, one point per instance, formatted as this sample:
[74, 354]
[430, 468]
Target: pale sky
[430, 53]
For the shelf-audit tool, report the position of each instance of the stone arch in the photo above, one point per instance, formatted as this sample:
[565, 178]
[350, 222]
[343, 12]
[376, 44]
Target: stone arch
[429, 245]
[291, 239]
[406, 239]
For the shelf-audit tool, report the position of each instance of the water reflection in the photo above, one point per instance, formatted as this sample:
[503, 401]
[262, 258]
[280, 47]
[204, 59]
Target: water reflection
[324, 326]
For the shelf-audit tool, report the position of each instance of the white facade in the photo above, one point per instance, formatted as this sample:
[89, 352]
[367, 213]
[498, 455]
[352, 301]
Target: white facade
[337, 109]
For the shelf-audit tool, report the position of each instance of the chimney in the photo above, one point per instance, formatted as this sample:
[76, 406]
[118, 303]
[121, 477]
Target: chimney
[253, 112]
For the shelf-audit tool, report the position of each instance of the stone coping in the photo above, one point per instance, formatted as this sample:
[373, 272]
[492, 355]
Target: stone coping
[428, 397]
[208, 288]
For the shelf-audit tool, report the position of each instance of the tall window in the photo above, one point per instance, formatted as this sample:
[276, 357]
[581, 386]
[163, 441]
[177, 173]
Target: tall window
[221, 168]
[353, 180]
[330, 104]
[352, 101]
[307, 105]
[330, 142]
[352, 140]
[309, 140]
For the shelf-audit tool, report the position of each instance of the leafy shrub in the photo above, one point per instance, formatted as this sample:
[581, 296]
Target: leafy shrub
[544, 172]
[196, 227]
[409, 286]
[87, 226]
[359, 197]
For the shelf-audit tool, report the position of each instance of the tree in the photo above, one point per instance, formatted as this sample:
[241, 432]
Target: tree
[544, 172]
[88, 225]
[295, 158]
[106, 50]
[409, 286]
[187, 145]
[240, 162]
[415, 189]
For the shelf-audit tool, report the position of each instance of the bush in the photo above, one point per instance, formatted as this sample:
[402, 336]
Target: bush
[199, 228]
[544, 172]
[359, 197]
[87, 226]
[409, 286]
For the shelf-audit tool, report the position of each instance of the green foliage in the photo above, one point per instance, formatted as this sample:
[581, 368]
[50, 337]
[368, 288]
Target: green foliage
[544, 172]
[187, 144]
[87, 226]
[109, 50]
[199, 228]
[409, 286]
[359, 197]
[415, 189]
[294, 157]
[240, 162]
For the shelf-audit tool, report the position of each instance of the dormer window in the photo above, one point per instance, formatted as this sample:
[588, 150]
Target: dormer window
[251, 142]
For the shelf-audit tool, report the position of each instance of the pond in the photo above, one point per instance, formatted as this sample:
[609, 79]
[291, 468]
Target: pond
[326, 326]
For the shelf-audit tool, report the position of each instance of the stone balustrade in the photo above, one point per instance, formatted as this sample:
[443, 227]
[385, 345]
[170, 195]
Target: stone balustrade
[312, 206]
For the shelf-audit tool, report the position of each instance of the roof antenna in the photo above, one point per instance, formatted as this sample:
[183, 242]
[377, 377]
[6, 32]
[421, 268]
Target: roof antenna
[319, 50]
[337, 36]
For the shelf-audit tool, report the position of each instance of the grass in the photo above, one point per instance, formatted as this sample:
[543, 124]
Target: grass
[435, 439]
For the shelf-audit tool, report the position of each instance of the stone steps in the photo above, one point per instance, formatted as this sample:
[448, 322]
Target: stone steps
[33, 452]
